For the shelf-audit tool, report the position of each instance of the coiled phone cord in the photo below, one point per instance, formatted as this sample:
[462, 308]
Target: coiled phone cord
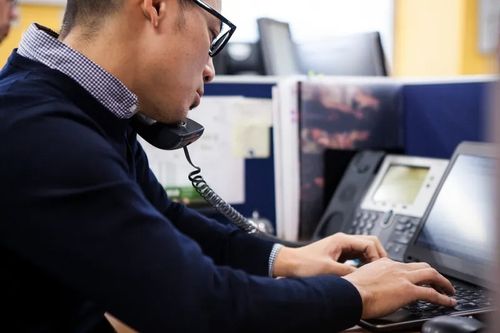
[226, 209]
[216, 201]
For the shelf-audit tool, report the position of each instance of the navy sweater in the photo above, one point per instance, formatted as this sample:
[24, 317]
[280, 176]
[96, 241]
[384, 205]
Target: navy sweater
[85, 228]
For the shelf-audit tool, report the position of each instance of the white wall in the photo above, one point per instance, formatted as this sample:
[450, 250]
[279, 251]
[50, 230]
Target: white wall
[315, 19]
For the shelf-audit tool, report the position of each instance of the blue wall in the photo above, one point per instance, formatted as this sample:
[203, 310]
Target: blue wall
[439, 116]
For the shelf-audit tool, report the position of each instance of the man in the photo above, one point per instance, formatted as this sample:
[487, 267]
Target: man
[85, 228]
[7, 15]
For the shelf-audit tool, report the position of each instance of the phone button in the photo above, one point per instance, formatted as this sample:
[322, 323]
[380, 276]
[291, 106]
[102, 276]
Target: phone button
[402, 238]
[363, 168]
[386, 220]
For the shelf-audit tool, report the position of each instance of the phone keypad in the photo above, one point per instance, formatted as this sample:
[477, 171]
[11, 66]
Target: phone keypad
[394, 231]
[404, 230]
[363, 222]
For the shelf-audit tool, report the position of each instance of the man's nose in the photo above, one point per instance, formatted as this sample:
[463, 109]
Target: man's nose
[209, 71]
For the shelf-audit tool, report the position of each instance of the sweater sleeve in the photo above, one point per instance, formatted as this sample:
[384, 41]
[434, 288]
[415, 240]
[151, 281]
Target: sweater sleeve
[225, 244]
[69, 207]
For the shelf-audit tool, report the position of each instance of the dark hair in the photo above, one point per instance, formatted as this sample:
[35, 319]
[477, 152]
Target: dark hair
[90, 14]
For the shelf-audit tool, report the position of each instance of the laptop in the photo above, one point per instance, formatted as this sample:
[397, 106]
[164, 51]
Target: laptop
[456, 237]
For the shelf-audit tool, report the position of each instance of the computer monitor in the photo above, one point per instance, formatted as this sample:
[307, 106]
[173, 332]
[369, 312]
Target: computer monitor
[239, 58]
[276, 54]
[359, 54]
[277, 47]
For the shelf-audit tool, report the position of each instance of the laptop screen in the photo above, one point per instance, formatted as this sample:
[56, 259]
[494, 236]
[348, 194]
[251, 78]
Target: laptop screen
[458, 230]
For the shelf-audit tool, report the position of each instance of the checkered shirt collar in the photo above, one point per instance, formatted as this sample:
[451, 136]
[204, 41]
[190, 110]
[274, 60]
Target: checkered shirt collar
[41, 44]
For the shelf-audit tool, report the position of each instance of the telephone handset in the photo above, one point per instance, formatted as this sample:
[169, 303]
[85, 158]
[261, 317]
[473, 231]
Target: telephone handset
[167, 136]
[383, 195]
[176, 136]
[352, 187]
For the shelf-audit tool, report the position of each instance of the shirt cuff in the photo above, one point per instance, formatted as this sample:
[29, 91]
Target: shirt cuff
[272, 257]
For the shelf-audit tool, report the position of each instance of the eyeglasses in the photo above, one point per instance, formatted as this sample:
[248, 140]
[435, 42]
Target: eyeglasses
[226, 30]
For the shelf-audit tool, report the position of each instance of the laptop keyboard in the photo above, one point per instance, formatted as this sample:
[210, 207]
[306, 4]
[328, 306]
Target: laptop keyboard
[468, 298]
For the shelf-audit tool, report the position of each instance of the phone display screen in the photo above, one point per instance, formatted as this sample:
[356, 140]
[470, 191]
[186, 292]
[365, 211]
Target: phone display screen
[401, 184]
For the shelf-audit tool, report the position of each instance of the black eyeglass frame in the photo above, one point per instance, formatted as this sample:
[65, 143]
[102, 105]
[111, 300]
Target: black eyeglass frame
[214, 47]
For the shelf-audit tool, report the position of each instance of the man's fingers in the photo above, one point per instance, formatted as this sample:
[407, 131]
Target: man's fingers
[430, 276]
[364, 246]
[413, 266]
[356, 246]
[380, 249]
[342, 269]
[431, 295]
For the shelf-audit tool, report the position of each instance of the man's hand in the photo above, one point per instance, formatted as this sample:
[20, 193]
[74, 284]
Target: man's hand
[386, 285]
[326, 256]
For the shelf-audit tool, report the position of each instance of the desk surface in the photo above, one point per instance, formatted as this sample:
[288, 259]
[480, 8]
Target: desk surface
[356, 329]
[122, 328]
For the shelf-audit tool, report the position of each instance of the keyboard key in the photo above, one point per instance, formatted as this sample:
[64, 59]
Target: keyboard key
[465, 306]
[468, 298]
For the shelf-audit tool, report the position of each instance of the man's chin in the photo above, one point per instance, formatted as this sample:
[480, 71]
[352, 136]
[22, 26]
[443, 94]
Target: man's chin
[166, 116]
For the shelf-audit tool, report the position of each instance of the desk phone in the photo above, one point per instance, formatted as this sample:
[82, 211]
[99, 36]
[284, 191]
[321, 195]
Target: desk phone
[392, 202]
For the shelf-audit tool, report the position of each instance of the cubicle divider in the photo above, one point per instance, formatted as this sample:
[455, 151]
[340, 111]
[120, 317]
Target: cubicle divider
[441, 114]
[341, 114]
[433, 116]
[426, 118]
[259, 172]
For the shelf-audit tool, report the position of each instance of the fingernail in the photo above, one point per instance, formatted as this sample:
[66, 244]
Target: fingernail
[453, 301]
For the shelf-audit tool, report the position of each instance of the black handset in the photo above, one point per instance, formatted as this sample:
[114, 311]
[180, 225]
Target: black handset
[175, 136]
[357, 178]
[167, 136]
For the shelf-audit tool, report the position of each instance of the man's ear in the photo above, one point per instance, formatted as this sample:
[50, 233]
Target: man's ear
[152, 10]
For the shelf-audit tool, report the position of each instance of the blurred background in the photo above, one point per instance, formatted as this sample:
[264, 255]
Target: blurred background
[402, 37]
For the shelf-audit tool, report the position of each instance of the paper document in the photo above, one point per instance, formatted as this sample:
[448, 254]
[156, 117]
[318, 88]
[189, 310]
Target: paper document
[234, 129]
